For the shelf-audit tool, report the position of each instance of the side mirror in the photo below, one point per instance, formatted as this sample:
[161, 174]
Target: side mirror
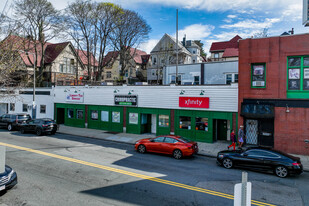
[152, 140]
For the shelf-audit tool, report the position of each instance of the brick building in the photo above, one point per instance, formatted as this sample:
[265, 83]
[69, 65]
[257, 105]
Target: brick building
[274, 92]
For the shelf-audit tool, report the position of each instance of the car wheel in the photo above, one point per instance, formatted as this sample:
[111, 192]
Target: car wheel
[227, 163]
[22, 131]
[38, 132]
[177, 154]
[281, 171]
[10, 127]
[141, 148]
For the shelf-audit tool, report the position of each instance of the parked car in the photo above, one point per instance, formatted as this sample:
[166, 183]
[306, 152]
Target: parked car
[8, 178]
[12, 121]
[39, 126]
[167, 144]
[263, 159]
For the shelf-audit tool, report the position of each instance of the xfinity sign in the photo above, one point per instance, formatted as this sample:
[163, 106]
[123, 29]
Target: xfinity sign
[194, 102]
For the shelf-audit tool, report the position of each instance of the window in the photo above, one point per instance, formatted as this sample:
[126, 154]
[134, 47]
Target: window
[298, 76]
[25, 108]
[231, 78]
[61, 68]
[104, 116]
[216, 55]
[116, 117]
[258, 76]
[228, 78]
[108, 74]
[173, 79]
[159, 139]
[42, 109]
[185, 123]
[196, 80]
[170, 140]
[236, 78]
[193, 51]
[70, 113]
[133, 118]
[12, 106]
[94, 114]
[154, 61]
[201, 123]
[126, 74]
[79, 114]
[163, 120]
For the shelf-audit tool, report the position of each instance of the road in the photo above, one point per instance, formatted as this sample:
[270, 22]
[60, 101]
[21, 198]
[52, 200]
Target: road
[70, 170]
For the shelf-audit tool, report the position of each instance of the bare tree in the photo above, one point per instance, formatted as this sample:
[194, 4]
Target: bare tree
[131, 29]
[39, 21]
[261, 34]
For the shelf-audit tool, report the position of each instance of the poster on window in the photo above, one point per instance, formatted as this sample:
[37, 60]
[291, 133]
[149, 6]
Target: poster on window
[133, 118]
[306, 84]
[294, 73]
[116, 117]
[258, 70]
[306, 73]
[94, 115]
[104, 116]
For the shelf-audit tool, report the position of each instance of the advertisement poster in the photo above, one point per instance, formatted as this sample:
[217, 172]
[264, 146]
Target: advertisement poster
[258, 70]
[294, 73]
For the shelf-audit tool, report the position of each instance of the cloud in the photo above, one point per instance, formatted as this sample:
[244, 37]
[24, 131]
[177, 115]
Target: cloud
[149, 45]
[196, 31]
[252, 24]
[231, 16]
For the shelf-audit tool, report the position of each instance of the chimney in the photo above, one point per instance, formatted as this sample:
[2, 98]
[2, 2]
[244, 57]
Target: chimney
[292, 31]
[184, 41]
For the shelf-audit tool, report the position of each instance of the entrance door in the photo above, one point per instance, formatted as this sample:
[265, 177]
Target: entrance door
[153, 123]
[252, 131]
[60, 115]
[220, 129]
[266, 132]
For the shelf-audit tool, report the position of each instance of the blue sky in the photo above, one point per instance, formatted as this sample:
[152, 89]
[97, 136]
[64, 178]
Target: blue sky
[213, 20]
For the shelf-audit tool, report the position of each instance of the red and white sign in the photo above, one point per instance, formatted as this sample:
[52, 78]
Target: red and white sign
[195, 102]
[74, 97]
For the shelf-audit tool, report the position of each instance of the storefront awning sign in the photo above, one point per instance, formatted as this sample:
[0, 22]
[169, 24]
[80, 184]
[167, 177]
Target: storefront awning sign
[194, 102]
[126, 100]
[74, 97]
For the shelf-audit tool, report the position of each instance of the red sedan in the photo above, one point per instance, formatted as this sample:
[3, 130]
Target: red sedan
[167, 144]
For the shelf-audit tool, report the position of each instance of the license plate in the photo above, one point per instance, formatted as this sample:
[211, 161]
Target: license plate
[2, 187]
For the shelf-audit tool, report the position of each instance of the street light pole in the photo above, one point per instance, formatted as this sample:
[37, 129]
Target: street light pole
[34, 78]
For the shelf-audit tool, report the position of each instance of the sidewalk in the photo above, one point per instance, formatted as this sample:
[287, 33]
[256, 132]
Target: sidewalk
[205, 149]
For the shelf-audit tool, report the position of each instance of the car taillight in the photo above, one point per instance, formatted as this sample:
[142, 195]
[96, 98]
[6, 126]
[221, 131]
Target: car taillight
[296, 164]
[44, 125]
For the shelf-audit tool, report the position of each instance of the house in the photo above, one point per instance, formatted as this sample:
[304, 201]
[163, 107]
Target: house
[164, 54]
[225, 50]
[135, 71]
[273, 92]
[94, 64]
[63, 64]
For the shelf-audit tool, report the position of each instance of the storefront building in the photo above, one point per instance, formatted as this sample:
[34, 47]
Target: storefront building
[201, 113]
[274, 92]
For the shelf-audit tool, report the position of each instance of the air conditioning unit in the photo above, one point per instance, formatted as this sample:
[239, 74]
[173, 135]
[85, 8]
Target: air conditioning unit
[258, 83]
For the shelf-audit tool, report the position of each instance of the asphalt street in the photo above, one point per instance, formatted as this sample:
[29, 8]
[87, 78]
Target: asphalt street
[70, 170]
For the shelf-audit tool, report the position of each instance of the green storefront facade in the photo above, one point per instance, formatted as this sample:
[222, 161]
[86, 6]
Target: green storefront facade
[197, 125]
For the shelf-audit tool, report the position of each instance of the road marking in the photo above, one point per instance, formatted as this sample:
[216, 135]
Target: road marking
[132, 174]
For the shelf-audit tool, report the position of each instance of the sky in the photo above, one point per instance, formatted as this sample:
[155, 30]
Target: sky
[210, 20]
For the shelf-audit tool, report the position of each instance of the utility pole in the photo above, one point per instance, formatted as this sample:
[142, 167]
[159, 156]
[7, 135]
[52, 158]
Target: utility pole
[176, 79]
[34, 77]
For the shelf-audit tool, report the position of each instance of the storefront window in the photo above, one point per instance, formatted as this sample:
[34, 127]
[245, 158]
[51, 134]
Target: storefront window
[185, 123]
[258, 76]
[94, 115]
[133, 118]
[70, 113]
[298, 74]
[116, 117]
[163, 120]
[201, 124]
[79, 114]
[104, 116]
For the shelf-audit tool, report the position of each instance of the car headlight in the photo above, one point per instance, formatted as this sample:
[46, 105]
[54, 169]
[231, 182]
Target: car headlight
[220, 156]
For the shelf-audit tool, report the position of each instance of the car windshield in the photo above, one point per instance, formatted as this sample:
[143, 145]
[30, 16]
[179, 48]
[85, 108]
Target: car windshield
[23, 117]
[184, 139]
[48, 122]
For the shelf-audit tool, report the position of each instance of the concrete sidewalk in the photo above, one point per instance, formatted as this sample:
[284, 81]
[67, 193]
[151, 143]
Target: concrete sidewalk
[205, 149]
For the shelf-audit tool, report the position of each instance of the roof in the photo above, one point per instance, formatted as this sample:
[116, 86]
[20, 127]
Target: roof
[52, 51]
[139, 56]
[221, 46]
[230, 52]
[83, 56]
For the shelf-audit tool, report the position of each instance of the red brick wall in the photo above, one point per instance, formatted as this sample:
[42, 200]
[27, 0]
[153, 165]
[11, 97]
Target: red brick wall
[273, 51]
[291, 130]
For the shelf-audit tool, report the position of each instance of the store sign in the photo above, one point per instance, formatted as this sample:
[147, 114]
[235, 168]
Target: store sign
[74, 97]
[126, 100]
[194, 102]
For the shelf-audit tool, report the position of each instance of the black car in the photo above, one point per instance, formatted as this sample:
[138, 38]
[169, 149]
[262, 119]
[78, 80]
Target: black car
[39, 126]
[8, 179]
[12, 121]
[262, 159]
